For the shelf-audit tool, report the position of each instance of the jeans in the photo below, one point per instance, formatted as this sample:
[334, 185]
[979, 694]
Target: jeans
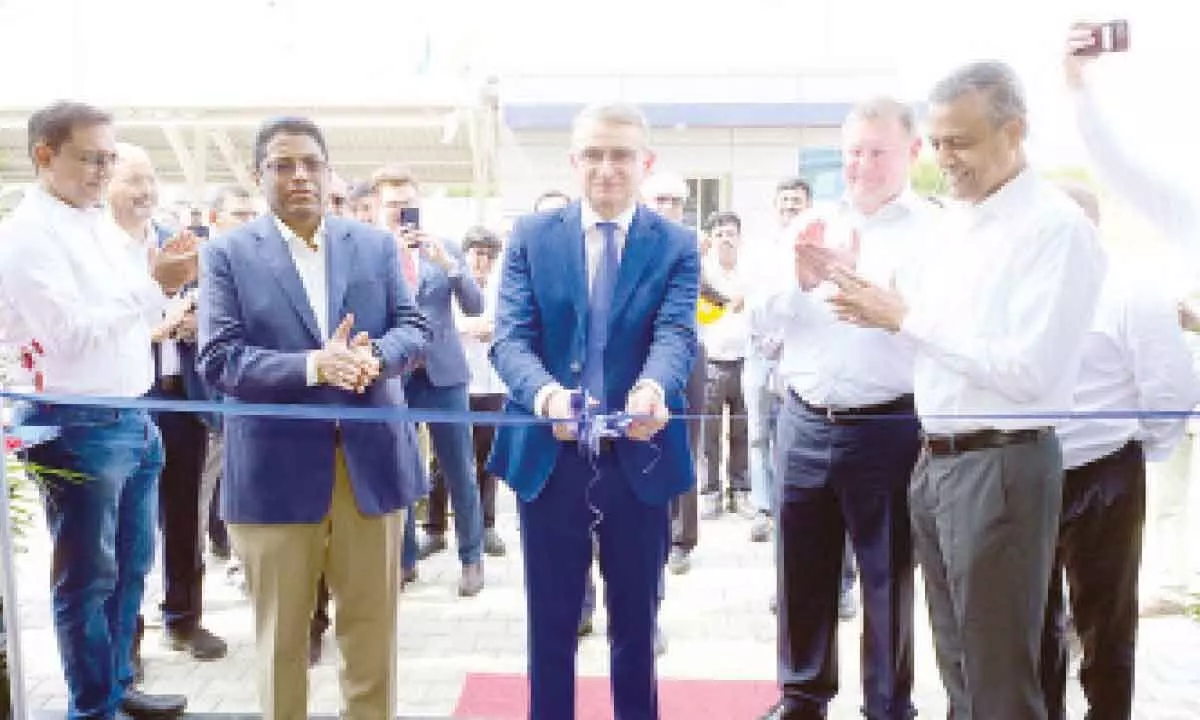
[455, 452]
[762, 407]
[481, 436]
[102, 527]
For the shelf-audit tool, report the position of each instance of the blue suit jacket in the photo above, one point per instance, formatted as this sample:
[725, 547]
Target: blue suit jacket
[256, 330]
[445, 360]
[541, 336]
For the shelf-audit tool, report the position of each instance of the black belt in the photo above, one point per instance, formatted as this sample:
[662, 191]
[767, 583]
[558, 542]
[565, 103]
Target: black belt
[980, 440]
[902, 404]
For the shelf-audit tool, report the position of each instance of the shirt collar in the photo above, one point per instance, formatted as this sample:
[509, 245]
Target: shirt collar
[590, 217]
[1008, 199]
[293, 239]
[59, 210]
[149, 237]
[900, 206]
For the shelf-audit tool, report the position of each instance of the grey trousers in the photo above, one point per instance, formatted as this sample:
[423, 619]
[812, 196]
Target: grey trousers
[985, 525]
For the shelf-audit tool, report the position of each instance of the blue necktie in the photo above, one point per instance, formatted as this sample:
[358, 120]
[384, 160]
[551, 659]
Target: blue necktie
[599, 304]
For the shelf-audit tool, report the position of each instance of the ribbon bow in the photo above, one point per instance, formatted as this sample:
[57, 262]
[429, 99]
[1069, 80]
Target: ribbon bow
[591, 426]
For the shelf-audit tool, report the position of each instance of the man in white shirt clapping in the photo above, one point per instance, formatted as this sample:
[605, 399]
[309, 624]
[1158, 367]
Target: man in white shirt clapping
[847, 437]
[998, 315]
[71, 284]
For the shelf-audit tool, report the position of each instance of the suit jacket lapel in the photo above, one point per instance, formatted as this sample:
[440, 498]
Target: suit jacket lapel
[339, 259]
[272, 248]
[635, 258]
[573, 250]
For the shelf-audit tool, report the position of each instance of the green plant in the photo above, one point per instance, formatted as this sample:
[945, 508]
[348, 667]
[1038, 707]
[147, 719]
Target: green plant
[927, 179]
[22, 497]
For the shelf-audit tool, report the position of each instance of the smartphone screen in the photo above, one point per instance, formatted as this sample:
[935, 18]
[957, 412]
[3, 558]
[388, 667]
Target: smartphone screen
[411, 217]
[1113, 36]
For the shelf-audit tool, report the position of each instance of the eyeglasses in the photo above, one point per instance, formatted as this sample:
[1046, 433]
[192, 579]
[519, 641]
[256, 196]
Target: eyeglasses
[99, 160]
[615, 156]
[289, 166]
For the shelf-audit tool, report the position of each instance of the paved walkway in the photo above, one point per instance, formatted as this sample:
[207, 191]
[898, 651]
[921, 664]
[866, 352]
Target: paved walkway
[715, 619]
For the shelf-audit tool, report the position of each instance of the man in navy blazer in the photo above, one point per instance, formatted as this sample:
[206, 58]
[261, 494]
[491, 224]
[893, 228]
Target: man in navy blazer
[438, 274]
[299, 307]
[599, 296]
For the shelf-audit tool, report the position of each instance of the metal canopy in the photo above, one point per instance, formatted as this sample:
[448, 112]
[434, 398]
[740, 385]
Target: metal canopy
[443, 144]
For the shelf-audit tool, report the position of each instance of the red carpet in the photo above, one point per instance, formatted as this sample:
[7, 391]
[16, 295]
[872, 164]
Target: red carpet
[504, 697]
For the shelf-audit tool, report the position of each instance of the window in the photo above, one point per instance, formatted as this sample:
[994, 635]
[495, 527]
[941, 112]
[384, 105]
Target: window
[704, 198]
[822, 168]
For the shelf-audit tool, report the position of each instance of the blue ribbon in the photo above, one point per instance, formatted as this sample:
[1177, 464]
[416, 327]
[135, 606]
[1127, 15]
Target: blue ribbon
[606, 424]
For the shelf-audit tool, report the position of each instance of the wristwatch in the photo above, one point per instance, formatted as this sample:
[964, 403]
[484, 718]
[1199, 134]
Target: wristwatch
[377, 352]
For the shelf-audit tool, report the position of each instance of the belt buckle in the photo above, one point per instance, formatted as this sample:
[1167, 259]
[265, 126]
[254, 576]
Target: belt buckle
[829, 414]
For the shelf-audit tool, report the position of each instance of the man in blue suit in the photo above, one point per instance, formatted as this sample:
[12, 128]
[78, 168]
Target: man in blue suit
[599, 296]
[304, 497]
[437, 272]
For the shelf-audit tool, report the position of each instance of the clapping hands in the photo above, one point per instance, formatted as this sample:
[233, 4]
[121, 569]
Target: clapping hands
[345, 362]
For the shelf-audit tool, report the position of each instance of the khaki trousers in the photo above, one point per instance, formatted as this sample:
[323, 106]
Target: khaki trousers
[360, 558]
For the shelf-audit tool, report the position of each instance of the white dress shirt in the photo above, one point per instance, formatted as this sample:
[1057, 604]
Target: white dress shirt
[728, 337]
[140, 250]
[1000, 308]
[310, 266]
[1135, 359]
[69, 283]
[484, 378]
[830, 363]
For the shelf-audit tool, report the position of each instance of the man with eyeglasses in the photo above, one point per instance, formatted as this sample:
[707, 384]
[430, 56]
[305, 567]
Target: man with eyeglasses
[132, 197]
[303, 307]
[597, 300]
[71, 285]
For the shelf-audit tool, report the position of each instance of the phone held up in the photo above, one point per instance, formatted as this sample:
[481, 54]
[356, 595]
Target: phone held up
[410, 219]
[1108, 37]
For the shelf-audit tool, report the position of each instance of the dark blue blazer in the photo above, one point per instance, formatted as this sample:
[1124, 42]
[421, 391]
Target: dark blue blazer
[541, 336]
[257, 328]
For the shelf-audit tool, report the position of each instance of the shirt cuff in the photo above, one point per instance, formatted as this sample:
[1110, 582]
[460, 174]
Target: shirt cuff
[311, 376]
[653, 385]
[541, 396]
[916, 326]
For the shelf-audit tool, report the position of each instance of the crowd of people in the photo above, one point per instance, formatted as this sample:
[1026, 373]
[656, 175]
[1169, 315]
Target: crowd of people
[965, 383]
